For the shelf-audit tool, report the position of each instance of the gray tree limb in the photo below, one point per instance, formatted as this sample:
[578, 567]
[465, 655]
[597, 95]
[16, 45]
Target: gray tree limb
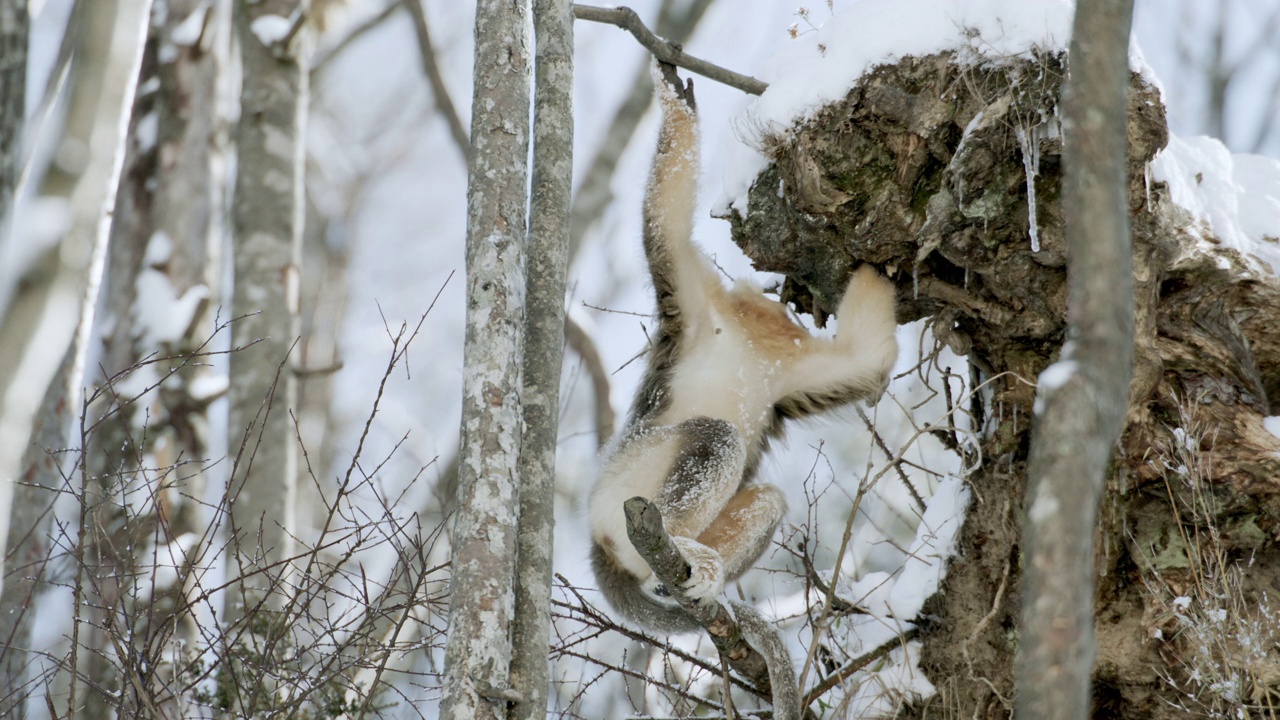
[580, 341]
[1084, 404]
[545, 282]
[478, 648]
[14, 28]
[431, 68]
[759, 664]
[626, 18]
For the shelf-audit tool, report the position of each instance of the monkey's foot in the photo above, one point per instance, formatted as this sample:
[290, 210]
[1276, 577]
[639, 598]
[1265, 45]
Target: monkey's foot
[706, 576]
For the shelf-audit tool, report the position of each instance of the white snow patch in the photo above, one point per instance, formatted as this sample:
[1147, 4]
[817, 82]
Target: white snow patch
[271, 29]
[160, 316]
[207, 385]
[1057, 374]
[1235, 195]
[159, 249]
[1052, 378]
[818, 68]
[1182, 602]
[147, 132]
[188, 32]
[935, 543]
[1272, 425]
[1044, 507]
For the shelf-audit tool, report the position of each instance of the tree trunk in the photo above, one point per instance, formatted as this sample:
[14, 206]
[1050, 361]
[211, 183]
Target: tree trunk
[1083, 396]
[16, 584]
[14, 28]
[920, 170]
[478, 650]
[151, 320]
[39, 309]
[267, 220]
[545, 269]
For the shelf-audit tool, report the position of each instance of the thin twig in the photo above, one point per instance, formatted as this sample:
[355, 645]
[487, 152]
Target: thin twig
[585, 347]
[373, 23]
[431, 68]
[855, 665]
[627, 19]
[895, 460]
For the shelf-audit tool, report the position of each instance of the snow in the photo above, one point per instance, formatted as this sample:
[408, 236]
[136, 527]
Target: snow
[935, 543]
[818, 68]
[188, 31]
[206, 386]
[1052, 378]
[147, 132]
[1235, 196]
[160, 316]
[271, 29]
[1272, 425]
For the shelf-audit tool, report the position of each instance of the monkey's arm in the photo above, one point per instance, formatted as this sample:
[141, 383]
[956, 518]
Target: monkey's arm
[682, 277]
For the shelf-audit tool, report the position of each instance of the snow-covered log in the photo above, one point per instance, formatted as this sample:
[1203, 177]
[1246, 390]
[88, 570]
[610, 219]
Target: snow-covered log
[940, 161]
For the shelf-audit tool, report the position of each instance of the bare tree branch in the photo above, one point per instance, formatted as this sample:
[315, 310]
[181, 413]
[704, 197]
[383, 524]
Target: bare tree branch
[626, 18]
[430, 67]
[350, 38]
[650, 538]
[595, 191]
[585, 347]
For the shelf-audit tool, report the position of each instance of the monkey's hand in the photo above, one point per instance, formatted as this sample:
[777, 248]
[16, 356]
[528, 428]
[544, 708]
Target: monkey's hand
[706, 568]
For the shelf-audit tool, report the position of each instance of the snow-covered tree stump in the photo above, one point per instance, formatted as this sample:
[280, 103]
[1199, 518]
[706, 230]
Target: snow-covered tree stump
[945, 170]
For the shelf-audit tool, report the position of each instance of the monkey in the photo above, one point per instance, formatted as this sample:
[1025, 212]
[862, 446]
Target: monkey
[726, 368]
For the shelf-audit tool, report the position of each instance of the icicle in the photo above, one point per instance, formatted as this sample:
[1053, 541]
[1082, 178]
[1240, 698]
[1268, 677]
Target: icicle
[966, 278]
[915, 283]
[1029, 142]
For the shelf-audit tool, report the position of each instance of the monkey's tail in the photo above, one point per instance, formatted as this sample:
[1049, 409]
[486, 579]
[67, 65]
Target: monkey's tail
[624, 594]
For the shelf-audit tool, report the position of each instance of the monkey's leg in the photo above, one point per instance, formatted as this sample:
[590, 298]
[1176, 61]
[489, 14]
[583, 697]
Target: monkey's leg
[704, 475]
[743, 529]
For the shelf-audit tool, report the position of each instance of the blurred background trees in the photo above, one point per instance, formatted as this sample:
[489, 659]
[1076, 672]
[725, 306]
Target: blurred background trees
[173, 176]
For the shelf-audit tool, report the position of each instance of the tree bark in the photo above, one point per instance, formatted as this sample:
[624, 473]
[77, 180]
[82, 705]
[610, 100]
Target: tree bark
[14, 28]
[1083, 396]
[267, 221]
[919, 169]
[155, 295]
[478, 649]
[545, 282]
[17, 583]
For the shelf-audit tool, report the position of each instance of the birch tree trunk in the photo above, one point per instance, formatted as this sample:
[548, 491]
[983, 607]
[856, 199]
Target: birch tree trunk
[478, 650]
[545, 271]
[98, 117]
[37, 321]
[267, 222]
[156, 292]
[14, 28]
[16, 588]
[1084, 394]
